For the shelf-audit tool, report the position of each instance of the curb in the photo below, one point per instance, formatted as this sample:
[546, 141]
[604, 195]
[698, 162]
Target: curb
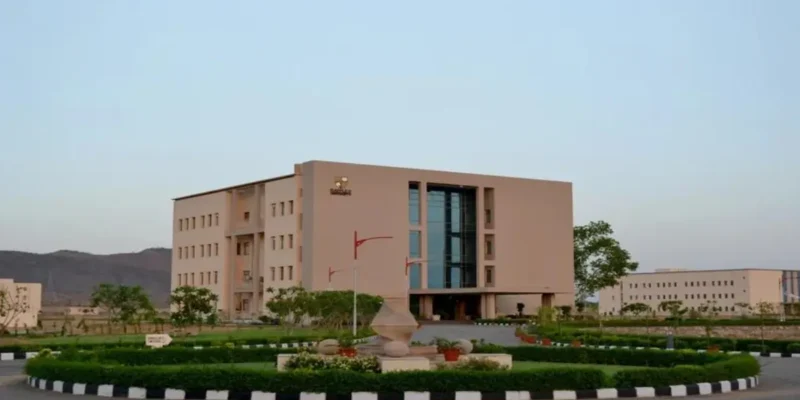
[292, 345]
[178, 394]
[754, 354]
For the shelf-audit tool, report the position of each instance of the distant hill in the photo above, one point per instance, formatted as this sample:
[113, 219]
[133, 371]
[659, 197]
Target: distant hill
[67, 276]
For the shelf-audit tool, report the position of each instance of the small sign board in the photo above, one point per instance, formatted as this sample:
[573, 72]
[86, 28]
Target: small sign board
[157, 341]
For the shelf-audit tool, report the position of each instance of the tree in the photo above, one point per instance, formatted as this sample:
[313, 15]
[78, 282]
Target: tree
[676, 312]
[599, 259]
[106, 296]
[193, 305]
[134, 307]
[708, 314]
[764, 310]
[12, 305]
[636, 309]
[129, 305]
[744, 308]
[291, 305]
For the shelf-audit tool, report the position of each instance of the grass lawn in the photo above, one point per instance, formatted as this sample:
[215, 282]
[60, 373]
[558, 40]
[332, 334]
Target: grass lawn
[518, 366]
[266, 332]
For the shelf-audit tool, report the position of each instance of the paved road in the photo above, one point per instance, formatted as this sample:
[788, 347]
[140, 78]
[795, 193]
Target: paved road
[780, 378]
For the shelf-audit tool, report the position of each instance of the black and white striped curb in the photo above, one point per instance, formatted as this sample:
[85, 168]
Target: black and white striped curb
[753, 353]
[32, 354]
[179, 394]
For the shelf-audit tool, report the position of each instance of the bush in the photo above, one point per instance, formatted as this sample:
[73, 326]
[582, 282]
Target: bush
[681, 342]
[147, 368]
[327, 381]
[473, 364]
[176, 355]
[178, 342]
[628, 323]
[740, 366]
[793, 348]
[517, 321]
[315, 362]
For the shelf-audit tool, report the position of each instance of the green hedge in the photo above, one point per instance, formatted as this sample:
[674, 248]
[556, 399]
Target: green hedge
[205, 378]
[630, 323]
[660, 341]
[147, 368]
[175, 355]
[175, 343]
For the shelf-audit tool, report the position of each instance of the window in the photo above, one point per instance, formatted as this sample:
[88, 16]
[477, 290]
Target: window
[291, 241]
[193, 222]
[636, 285]
[414, 244]
[704, 296]
[216, 276]
[186, 252]
[713, 296]
[704, 283]
[686, 296]
[490, 276]
[726, 295]
[488, 216]
[180, 252]
[202, 221]
[202, 250]
[301, 221]
[413, 203]
[186, 279]
[208, 277]
[209, 220]
[208, 250]
[291, 272]
[281, 273]
[216, 219]
[238, 249]
[685, 284]
[291, 206]
[247, 215]
[192, 251]
[272, 272]
[192, 278]
[692, 296]
[180, 224]
[273, 209]
[283, 208]
[202, 278]
[712, 283]
[179, 279]
[273, 243]
[731, 283]
[216, 249]
[691, 283]
[246, 248]
[281, 241]
[732, 296]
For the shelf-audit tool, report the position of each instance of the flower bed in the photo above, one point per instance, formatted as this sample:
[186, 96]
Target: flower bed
[148, 369]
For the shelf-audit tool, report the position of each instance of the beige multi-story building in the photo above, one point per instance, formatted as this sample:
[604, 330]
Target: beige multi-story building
[476, 245]
[20, 303]
[728, 290]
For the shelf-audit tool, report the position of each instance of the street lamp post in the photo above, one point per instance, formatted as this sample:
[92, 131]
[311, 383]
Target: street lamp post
[408, 279]
[356, 244]
[331, 271]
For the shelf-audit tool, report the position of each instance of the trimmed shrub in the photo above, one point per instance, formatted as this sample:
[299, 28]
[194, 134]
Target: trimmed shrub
[329, 381]
[584, 355]
[176, 355]
[659, 341]
[739, 366]
[793, 348]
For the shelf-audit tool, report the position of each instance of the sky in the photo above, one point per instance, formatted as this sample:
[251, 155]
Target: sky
[678, 122]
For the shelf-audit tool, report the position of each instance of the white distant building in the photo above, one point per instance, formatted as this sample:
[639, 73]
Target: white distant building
[28, 295]
[695, 288]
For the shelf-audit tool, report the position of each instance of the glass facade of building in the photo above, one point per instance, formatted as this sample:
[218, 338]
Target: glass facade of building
[451, 237]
